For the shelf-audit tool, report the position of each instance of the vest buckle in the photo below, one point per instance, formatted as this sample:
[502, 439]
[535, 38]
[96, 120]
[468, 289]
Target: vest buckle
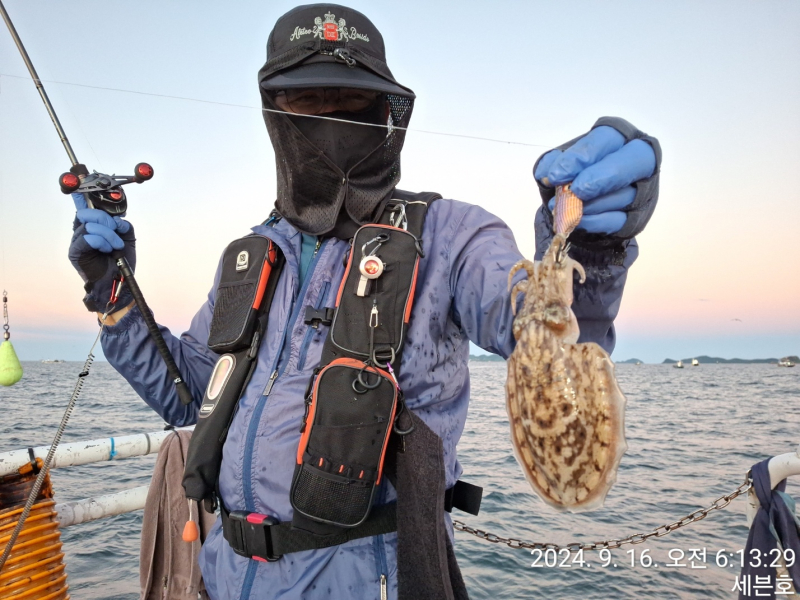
[249, 534]
[317, 316]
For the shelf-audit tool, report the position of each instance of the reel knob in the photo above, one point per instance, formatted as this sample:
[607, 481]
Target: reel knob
[142, 172]
[69, 182]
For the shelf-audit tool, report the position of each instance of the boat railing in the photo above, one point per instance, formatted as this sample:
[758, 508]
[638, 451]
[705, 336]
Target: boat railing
[142, 444]
[88, 452]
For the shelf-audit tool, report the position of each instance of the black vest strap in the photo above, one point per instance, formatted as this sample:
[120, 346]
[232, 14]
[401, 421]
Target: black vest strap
[261, 537]
[463, 496]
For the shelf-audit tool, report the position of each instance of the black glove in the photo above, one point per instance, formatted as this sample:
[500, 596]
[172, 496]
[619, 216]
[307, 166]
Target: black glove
[95, 236]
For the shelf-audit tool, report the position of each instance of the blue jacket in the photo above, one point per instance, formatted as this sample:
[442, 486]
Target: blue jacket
[461, 295]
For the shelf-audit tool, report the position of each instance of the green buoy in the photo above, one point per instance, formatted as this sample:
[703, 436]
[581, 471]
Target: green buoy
[10, 369]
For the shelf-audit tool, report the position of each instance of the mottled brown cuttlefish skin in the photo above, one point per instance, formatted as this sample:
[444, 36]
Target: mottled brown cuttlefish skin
[564, 405]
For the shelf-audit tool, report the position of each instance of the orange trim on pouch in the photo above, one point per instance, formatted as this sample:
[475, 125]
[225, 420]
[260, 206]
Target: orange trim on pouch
[264, 277]
[356, 364]
[410, 300]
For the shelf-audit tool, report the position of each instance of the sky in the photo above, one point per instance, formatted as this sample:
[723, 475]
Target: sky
[717, 82]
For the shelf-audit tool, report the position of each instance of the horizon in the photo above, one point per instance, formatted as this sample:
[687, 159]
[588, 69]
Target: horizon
[716, 83]
[617, 360]
[477, 352]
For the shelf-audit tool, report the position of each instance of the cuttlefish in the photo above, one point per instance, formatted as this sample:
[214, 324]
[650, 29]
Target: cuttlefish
[565, 408]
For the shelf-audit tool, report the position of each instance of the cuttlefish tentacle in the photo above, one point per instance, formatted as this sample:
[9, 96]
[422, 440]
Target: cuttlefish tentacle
[521, 285]
[564, 405]
[526, 264]
[581, 271]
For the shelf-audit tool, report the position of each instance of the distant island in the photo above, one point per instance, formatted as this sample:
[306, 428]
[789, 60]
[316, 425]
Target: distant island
[486, 358]
[705, 360]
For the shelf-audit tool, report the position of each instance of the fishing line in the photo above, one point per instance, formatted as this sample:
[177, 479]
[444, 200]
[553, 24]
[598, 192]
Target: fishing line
[2, 237]
[37, 485]
[77, 122]
[229, 104]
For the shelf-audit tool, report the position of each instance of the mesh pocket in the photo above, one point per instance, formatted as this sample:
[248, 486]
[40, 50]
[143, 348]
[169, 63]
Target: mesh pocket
[334, 501]
[232, 313]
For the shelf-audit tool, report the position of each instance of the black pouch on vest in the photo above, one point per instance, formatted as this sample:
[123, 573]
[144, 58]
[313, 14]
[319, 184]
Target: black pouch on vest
[379, 317]
[349, 416]
[250, 273]
[246, 265]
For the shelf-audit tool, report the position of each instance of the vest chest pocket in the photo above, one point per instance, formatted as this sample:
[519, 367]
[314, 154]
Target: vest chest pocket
[349, 416]
[375, 297]
[246, 266]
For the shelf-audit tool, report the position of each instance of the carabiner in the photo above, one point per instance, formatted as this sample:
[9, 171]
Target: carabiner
[402, 432]
[399, 220]
[381, 239]
[360, 381]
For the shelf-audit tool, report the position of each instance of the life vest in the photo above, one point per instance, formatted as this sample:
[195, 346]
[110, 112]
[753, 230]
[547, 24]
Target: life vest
[356, 429]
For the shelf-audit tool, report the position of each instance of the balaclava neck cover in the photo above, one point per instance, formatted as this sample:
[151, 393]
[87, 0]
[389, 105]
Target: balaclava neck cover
[329, 170]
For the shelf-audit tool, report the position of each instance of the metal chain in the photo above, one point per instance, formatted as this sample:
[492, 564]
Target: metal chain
[6, 335]
[636, 538]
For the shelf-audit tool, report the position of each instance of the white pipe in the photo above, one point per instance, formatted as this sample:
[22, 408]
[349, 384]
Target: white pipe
[780, 467]
[92, 451]
[91, 509]
[783, 466]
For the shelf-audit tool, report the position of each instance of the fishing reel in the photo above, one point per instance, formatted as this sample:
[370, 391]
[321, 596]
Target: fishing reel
[103, 191]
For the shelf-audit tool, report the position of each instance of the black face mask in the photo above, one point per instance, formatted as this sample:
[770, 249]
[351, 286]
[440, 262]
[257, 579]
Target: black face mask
[345, 144]
[331, 171]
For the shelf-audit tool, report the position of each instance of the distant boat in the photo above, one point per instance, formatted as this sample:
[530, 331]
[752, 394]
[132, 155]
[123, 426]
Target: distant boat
[678, 365]
[52, 360]
[695, 362]
[785, 362]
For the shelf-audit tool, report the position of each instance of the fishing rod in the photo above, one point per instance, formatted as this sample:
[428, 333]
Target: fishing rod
[105, 193]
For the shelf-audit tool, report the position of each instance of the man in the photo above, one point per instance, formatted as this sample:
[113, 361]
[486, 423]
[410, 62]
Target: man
[334, 175]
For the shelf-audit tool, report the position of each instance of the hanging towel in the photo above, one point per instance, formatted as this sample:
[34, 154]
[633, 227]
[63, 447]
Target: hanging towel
[426, 562]
[774, 526]
[167, 565]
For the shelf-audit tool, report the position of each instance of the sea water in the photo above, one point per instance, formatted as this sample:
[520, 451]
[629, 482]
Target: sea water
[692, 435]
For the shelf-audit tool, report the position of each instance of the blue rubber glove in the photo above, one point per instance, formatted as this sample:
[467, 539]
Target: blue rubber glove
[95, 235]
[614, 170]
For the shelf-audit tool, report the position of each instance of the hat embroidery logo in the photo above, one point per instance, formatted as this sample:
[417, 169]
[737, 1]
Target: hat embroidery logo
[329, 30]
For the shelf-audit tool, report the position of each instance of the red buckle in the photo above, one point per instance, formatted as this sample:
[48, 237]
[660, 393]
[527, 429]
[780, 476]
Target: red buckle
[256, 519]
[251, 533]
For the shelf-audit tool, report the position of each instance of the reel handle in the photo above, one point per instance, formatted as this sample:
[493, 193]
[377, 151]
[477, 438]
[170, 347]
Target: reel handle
[78, 179]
